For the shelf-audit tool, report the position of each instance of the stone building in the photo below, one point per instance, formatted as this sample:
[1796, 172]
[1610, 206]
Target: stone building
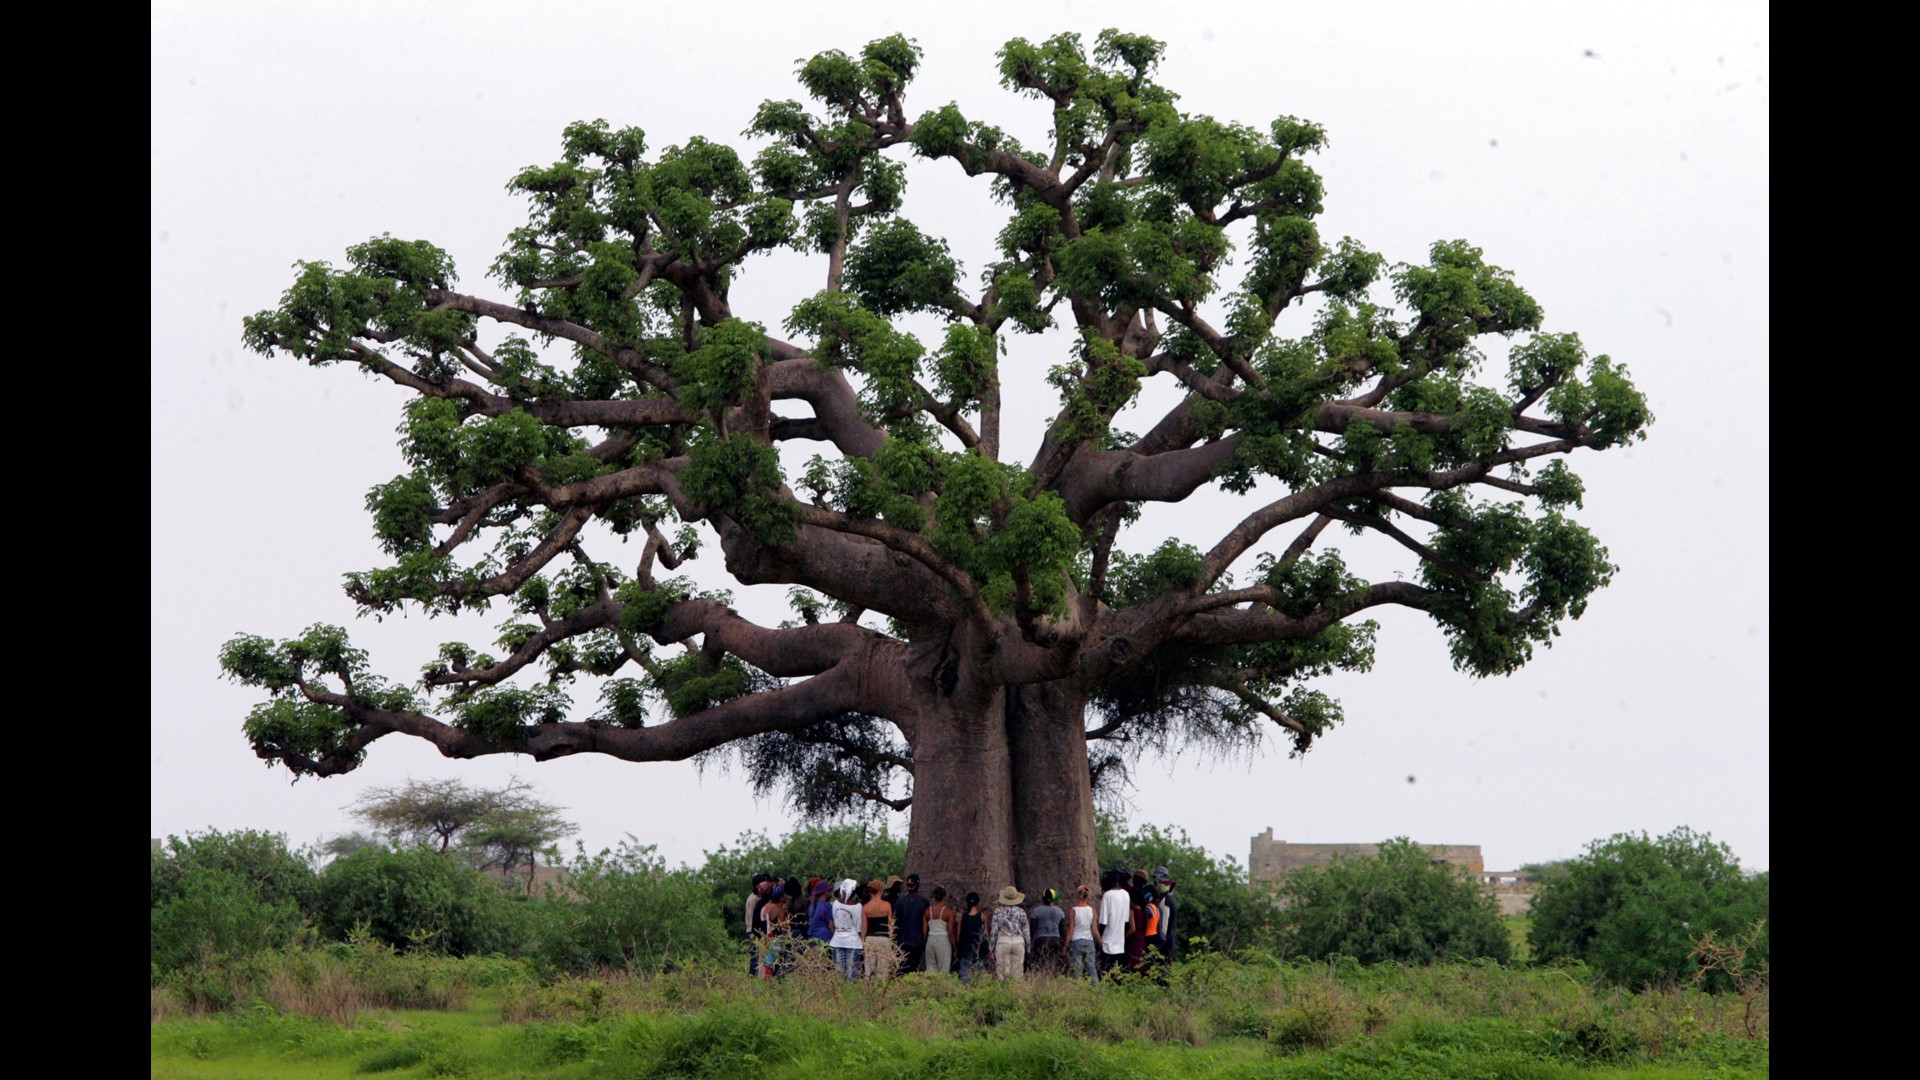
[1272, 860]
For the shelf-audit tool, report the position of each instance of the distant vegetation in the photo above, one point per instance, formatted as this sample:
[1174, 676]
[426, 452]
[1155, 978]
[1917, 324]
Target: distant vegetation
[1376, 967]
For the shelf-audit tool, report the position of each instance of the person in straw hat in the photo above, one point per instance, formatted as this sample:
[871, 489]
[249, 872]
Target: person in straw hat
[1011, 934]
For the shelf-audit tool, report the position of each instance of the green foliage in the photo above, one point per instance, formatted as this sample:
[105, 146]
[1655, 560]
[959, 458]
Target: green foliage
[624, 909]
[896, 269]
[232, 895]
[289, 725]
[1492, 629]
[859, 850]
[739, 474]
[383, 291]
[502, 828]
[1137, 579]
[637, 398]
[1401, 905]
[1634, 907]
[414, 899]
[722, 371]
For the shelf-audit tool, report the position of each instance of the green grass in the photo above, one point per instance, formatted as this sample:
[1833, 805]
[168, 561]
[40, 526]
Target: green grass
[1518, 926]
[1217, 1018]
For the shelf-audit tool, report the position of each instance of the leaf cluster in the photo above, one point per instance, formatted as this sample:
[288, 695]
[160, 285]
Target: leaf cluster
[1398, 906]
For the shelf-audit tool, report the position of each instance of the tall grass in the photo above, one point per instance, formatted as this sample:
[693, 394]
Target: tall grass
[1212, 1016]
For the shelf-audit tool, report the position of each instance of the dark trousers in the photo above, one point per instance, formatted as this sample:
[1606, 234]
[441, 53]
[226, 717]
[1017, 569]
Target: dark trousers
[916, 957]
[1048, 955]
[1111, 960]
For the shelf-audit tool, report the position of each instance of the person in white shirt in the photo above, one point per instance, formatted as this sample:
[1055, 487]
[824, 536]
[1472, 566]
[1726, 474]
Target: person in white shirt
[1116, 915]
[1080, 948]
[847, 937]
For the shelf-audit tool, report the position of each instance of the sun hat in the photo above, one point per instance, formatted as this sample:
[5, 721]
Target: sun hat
[1160, 874]
[820, 887]
[1011, 895]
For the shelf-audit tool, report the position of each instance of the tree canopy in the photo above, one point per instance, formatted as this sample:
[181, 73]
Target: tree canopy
[503, 828]
[1636, 908]
[972, 635]
[1400, 905]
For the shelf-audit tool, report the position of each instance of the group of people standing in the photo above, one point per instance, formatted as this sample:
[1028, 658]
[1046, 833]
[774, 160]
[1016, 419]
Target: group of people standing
[886, 928]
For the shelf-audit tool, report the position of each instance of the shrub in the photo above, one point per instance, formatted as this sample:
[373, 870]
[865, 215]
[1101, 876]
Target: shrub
[415, 899]
[628, 910]
[225, 894]
[260, 860]
[1398, 906]
[1634, 908]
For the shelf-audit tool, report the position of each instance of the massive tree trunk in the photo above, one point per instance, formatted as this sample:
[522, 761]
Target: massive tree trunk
[1001, 793]
[1052, 792]
[961, 832]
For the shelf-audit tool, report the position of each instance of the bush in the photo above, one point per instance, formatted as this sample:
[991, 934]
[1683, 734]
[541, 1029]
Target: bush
[629, 911]
[226, 895]
[1398, 906]
[415, 899]
[1634, 908]
[261, 860]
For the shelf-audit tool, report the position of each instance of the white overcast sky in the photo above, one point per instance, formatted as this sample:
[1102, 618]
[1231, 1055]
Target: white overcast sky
[1615, 157]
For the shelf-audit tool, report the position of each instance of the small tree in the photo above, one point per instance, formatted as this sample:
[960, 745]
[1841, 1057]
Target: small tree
[1636, 908]
[512, 839]
[414, 899]
[1401, 905]
[231, 894]
[339, 847]
[1538, 872]
[500, 828]
[628, 910]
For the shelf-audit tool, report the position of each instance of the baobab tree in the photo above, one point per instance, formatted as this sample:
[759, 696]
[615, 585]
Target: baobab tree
[973, 639]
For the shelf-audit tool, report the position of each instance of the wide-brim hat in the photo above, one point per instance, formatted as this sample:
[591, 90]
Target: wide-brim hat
[821, 888]
[1011, 895]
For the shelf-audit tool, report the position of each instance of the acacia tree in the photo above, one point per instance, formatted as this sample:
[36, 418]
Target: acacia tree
[972, 638]
[494, 828]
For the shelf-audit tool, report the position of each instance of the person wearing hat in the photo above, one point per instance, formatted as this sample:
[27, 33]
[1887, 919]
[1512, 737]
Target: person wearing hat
[910, 918]
[820, 913]
[1011, 934]
[1169, 943]
[881, 959]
